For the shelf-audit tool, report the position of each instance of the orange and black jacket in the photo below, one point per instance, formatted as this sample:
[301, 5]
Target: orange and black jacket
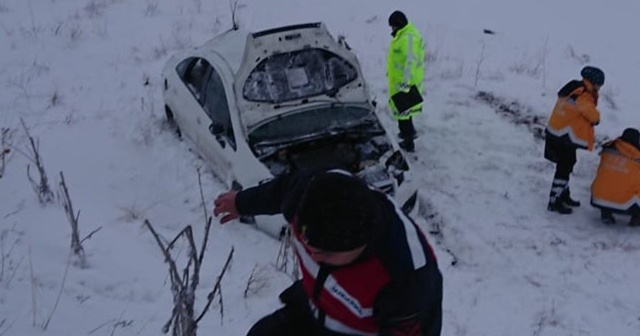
[574, 115]
[617, 183]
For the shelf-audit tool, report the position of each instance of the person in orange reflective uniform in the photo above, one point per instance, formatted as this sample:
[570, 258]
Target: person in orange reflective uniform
[571, 126]
[616, 187]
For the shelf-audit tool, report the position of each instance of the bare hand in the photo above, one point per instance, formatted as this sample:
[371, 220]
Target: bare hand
[225, 204]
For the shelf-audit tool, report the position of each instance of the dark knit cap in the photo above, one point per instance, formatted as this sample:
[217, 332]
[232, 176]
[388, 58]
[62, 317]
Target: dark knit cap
[631, 136]
[593, 75]
[337, 212]
[398, 19]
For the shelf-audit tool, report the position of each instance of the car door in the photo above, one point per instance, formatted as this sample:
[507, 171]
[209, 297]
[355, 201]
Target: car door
[186, 100]
[217, 138]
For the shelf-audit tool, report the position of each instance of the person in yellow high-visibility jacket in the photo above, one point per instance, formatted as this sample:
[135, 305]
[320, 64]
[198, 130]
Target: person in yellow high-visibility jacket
[616, 187]
[405, 68]
[571, 126]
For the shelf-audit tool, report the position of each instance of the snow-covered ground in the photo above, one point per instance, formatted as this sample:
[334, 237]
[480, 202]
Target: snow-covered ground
[84, 77]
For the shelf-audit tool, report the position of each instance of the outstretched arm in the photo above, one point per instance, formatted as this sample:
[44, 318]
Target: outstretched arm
[280, 195]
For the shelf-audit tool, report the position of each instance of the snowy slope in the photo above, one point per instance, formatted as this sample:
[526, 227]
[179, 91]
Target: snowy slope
[84, 77]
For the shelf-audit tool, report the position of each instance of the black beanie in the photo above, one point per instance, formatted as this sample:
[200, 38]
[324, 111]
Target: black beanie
[631, 136]
[593, 75]
[337, 213]
[398, 19]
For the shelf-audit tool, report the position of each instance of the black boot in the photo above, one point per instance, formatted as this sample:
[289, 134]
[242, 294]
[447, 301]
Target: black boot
[413, 136]
[606, 217]
[408, 146]
[566, 198]
[559, 207]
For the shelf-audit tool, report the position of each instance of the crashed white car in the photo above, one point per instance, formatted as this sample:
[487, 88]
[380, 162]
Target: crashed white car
[257, 105]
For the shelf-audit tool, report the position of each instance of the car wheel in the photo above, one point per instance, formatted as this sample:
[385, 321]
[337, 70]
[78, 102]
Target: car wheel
[173, 125]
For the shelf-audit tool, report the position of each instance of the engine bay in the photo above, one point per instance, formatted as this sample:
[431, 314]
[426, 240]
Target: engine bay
[352, 153]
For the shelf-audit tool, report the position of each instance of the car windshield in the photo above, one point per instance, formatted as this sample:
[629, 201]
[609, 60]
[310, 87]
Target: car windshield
[296, 75]
[312, 122]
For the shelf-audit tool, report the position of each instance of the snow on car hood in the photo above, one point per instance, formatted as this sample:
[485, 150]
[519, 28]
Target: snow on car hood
[286, 67]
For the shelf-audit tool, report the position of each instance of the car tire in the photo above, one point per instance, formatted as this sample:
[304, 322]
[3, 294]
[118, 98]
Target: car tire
[173, 125]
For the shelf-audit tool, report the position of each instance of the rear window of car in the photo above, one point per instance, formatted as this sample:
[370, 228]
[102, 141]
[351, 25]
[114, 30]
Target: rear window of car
[296, 75]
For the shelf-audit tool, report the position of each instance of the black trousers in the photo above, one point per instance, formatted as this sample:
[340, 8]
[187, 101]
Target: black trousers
[633, 211]
[285, 321]
[407, 130]
[563, 155]
[294, 319]
[433, 309]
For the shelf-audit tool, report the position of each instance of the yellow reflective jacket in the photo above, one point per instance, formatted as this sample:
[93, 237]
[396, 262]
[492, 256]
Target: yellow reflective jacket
[405, 66]
[574, 115]
[617, 183]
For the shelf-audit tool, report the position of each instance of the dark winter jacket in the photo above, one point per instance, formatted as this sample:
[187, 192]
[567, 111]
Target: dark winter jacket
[393, 288]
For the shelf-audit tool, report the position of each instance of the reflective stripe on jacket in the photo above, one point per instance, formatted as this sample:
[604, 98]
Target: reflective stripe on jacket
[617, 183]
[405, 65]
[574, 115]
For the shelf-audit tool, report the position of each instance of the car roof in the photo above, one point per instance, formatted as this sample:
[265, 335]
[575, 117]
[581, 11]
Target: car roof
[230, 45]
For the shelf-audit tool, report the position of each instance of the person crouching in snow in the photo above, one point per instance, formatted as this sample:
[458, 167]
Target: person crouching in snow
[616, 187]
[367, 269]
[571, 126]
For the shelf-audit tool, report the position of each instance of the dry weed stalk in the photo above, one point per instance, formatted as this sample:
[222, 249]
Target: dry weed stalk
[65, 199]
[256, 281]
[479, 64]
[45, 325]
[286, 256]
[45, 195]
[4, 149]
[234, 9]
[184, 285]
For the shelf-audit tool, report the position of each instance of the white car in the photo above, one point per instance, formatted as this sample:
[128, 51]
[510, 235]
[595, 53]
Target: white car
[257, 105]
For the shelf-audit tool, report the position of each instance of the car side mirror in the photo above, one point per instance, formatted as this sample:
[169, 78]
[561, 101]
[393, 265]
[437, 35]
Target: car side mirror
[374, 100]
[216, 129]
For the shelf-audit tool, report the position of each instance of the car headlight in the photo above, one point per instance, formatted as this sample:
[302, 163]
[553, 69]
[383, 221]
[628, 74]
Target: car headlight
[396, 165]
[397, 161]
[377, 176]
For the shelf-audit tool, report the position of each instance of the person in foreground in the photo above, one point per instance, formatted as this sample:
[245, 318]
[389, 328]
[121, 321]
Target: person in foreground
[616, 188]
[571, 126]
[367, 269]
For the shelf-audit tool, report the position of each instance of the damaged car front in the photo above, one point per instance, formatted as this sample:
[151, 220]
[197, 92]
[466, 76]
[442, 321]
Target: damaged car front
[304, 103]
[330, 135]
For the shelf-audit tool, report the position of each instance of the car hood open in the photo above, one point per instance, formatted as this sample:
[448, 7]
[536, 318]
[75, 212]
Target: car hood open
[286, 67]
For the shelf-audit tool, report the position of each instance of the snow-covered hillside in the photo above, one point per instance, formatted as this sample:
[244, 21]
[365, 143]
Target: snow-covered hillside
[84, 76]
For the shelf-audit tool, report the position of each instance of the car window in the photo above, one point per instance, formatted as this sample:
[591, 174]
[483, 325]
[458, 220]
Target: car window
[193, 72]
[297, 74]
[217, 107]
